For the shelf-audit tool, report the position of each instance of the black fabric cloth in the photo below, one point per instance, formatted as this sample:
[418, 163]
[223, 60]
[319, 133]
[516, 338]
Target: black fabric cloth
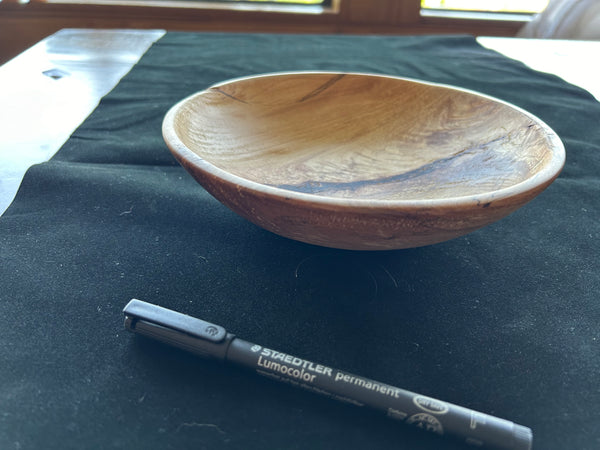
[504, 320]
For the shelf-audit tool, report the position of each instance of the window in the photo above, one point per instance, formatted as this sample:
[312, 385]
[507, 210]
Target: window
[288, 6]
[515, 10]
[295, 2]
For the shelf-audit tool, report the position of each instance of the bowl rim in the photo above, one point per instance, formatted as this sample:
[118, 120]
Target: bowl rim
[541, 179]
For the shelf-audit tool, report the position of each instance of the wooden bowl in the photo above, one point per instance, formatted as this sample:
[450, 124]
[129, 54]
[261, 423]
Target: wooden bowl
[363, 162]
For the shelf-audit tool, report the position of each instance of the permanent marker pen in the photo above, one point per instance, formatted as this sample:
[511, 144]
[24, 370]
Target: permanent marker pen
[213, 341]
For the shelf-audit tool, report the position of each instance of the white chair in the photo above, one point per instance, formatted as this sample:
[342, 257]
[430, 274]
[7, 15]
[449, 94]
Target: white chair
[566, 19]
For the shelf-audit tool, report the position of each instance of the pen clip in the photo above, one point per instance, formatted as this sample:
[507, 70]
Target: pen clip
[166, 318]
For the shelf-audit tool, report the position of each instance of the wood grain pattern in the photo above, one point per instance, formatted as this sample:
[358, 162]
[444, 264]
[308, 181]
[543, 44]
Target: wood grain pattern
[362, 161]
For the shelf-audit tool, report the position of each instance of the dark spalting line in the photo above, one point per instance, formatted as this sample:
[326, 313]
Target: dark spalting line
[229, 95]
[321, 88]
[316, 187]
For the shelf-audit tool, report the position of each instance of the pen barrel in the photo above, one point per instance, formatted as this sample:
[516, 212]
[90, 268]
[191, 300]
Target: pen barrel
[429, 414]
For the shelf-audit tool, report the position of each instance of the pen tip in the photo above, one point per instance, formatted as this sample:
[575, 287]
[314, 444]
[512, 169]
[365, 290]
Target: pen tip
[523, 437]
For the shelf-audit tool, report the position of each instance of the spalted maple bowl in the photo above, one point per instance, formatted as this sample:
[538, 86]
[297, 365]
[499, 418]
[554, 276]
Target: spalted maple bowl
[364, 162]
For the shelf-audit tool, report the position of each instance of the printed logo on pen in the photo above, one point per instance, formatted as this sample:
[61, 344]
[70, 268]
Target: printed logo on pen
[211, 330]
[430, 405]
[256, 348]
[477, 419]
[426, 422]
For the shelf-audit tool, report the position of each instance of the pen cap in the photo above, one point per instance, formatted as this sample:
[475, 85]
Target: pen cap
[188, 333]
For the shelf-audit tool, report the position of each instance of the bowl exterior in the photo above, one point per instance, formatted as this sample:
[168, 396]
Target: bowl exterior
[358, 224]
[361, 227]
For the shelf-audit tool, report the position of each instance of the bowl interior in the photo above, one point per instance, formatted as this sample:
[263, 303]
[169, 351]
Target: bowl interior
[364, 137]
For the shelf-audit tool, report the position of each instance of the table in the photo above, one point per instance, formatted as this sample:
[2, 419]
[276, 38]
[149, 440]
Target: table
[503, 320]
[52, 87]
